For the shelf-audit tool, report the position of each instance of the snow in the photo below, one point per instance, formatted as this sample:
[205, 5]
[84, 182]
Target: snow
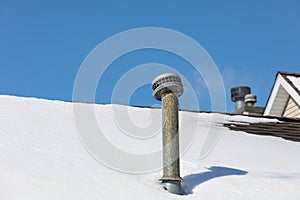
[295, 81]
[41, 157]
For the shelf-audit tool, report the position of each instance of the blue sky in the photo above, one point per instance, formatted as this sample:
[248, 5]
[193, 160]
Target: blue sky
[43, 43]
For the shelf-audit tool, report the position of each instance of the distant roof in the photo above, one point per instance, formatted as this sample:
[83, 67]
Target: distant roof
[283, 103]
[288, 129]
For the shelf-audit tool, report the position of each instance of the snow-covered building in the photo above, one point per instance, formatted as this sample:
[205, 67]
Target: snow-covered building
[42, 157]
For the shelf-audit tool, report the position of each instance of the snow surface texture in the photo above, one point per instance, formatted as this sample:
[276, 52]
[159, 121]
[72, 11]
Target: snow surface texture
[295, 81]
[41, 157]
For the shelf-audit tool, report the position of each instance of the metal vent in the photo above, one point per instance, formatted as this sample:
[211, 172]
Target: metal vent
[238, 96]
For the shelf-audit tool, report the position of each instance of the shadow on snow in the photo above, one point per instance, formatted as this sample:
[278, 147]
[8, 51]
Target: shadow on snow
[191, 181]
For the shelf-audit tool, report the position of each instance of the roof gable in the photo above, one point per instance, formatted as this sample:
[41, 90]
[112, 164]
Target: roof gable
[286, 87]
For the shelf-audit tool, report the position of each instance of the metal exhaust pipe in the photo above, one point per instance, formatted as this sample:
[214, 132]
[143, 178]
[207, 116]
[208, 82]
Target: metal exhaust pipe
[238, 96]
[167, 88]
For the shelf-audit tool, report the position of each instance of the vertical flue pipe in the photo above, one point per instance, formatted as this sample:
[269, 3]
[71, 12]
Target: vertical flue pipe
[167, 88]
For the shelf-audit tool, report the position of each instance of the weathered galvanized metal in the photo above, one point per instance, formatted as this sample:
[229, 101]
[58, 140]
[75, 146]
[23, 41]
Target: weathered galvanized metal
[250, 100]
[170, 137]
[167, 88]
[238, 96]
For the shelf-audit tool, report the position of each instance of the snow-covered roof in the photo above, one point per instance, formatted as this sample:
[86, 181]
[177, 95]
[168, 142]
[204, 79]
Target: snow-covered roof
[285, 92]
[42, 157]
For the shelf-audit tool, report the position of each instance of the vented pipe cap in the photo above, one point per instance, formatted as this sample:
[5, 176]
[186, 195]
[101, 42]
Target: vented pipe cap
[250, 98]
[167, 82]
[238, 93]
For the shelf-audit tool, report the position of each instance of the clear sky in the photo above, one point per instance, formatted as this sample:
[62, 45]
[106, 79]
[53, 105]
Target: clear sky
[43, 43]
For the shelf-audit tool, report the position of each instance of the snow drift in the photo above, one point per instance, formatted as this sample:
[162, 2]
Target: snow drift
[42, 157]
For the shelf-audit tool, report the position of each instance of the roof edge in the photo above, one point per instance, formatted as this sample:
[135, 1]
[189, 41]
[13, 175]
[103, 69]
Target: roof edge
[288, 73]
